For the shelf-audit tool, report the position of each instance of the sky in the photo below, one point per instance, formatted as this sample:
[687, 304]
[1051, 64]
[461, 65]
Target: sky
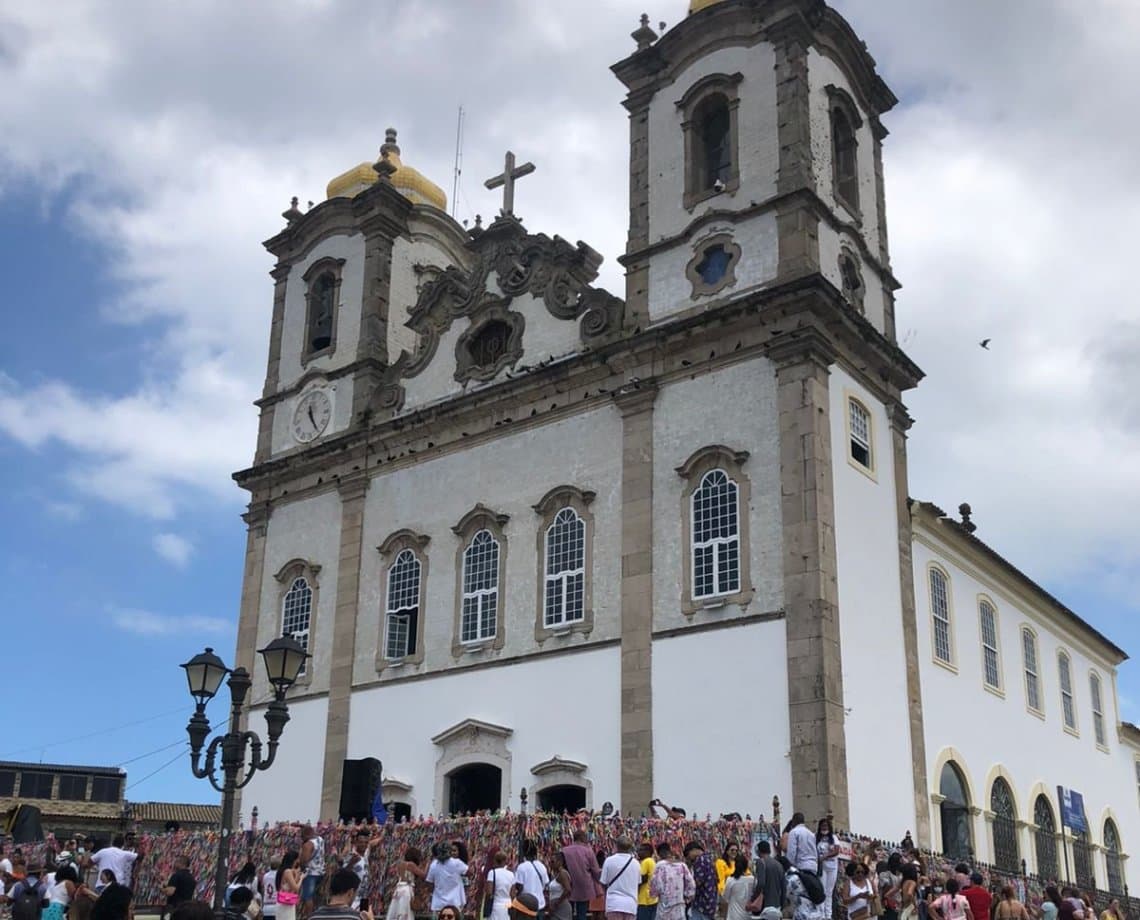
[147, 149]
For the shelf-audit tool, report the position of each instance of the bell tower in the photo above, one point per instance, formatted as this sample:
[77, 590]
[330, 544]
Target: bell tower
[755, 158]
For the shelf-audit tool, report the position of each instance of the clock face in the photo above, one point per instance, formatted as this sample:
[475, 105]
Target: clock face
[311, 416]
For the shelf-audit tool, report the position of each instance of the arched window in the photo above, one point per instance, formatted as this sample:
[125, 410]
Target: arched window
[716, 536]
[402, 620]
[297, 611]
[479, 617]
[1097, 698]
[322, 297]
[1113, 862]
[940, 616]
[708, 120]
[859, 431]
[954, 813]
[1065, 678]
[1029, 664]
[714, 154]
[845, 158]
[991, 662]
[1006, 854]
[1045, 839]
[565, 569]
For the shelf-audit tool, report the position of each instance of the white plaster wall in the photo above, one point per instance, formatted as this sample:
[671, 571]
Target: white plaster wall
[670, 290]
[870, 622]
[339, 390]
[736, 407]
[712, 754]
[306, 529]
[757, 134]
[566, 705]
[508, 475]
[351, 249]
[830, 245]
[290, 790]
[990, 729]
[405, 283]
[544, 338]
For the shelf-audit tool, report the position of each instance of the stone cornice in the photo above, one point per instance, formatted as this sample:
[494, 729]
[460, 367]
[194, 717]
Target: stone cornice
[807, 311]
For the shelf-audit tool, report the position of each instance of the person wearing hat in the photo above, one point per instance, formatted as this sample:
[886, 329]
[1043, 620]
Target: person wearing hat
[524, 906]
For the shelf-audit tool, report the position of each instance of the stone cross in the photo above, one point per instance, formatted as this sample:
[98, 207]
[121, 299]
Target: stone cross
[507, 180]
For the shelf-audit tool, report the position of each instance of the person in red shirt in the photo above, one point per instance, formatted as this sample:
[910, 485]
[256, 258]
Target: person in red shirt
[980, 900]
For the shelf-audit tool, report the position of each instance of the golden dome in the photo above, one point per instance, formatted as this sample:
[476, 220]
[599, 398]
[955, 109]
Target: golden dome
[409, 182]
[695, 6]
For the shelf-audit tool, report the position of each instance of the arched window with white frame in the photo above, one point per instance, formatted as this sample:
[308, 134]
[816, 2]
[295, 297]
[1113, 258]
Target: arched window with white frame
[480, 614]
[1029, 664]
[716, 536]
[941, 634]
[565, 579]
[297, 612]
[1096, 696]
[991, 658]
[1114, 864]
[403, 606]
[1065, 679]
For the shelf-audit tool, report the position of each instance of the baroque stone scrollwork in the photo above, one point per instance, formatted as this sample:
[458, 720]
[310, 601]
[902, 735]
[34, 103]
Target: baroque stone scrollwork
[552, 270]
[491, 343]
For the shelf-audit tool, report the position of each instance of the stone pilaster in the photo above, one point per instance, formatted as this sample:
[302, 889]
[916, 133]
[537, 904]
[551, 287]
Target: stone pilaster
[636, 598]
[352, 494]
[815, 674]
[249, 616]
[900, 423]
[637, 271]
[796, 222]
[273, 367]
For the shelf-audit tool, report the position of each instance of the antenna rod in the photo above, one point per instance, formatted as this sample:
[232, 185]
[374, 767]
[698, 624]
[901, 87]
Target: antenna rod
[458, 160]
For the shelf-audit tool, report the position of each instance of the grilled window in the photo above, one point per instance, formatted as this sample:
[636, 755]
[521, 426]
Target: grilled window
[991, 669]
[1029, 663]
[940, 616]
[716, 536]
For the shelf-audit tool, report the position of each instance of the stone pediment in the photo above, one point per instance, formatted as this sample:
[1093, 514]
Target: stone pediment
[471, 730]
[557, 764]
[506, 264]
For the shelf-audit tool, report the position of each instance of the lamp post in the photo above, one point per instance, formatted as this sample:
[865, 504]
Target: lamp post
[284, 657]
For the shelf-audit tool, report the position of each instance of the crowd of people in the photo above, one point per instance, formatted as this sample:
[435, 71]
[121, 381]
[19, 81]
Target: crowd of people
[795, 874]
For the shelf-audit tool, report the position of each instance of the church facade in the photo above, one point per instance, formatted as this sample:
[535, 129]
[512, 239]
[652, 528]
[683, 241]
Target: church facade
[536, 536]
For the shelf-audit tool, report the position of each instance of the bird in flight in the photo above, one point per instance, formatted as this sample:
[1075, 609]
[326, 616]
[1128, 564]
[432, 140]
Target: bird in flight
[985, 343]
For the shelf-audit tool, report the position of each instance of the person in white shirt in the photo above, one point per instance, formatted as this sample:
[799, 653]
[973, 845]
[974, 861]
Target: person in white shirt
[532, 876]
[446, 876]
[268, 888]
[121, 862]
[802, 851]
[621, 875]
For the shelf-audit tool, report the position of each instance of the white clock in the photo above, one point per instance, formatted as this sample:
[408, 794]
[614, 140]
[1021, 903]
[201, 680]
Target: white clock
[311, 416]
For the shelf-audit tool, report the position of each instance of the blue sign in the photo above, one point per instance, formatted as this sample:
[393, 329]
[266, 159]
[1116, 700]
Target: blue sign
[1072, 810]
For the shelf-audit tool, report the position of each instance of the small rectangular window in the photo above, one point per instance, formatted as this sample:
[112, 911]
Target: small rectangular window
[990, 660]
[105, 788]
[36, 785]
[860, 424]
[7, 782]
[1029, 661]
[1097, 710]
[72, 788]
[1068, 708]
[940, 616]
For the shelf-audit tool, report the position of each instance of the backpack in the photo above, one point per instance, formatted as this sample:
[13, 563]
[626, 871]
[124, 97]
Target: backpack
[813, 887]
[29, 904]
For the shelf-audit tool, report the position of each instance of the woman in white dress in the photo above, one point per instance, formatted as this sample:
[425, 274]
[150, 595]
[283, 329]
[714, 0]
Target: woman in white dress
[288, 886]
[407, 871]
[500, 881]
[738, 889]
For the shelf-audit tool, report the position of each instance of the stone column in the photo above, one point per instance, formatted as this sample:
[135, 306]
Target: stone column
[900, 424]
[352, 494]
[636, 598]
[815, 674]
[249, 616]
[273, 368]
[797, 225]
[637, 270]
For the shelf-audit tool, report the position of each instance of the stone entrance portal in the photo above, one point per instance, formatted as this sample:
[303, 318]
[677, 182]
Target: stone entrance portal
[474, 787]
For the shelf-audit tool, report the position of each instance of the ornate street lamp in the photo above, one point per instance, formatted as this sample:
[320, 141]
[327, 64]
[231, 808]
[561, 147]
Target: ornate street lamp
[284, 658]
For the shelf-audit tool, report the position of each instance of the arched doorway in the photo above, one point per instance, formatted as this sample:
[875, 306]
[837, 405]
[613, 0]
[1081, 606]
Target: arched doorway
[561, 799]
[474, 787]
[398, 812]
[954, 813]
[1007, 855]
[1045, 839]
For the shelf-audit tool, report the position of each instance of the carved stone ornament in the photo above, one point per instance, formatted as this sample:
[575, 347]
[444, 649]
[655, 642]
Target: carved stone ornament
[553, 271]
[492, 342]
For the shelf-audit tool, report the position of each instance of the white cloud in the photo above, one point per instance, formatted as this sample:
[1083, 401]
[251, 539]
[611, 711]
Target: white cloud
[174, 549]
[147, 623]
[64, 511]
[192, 126]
